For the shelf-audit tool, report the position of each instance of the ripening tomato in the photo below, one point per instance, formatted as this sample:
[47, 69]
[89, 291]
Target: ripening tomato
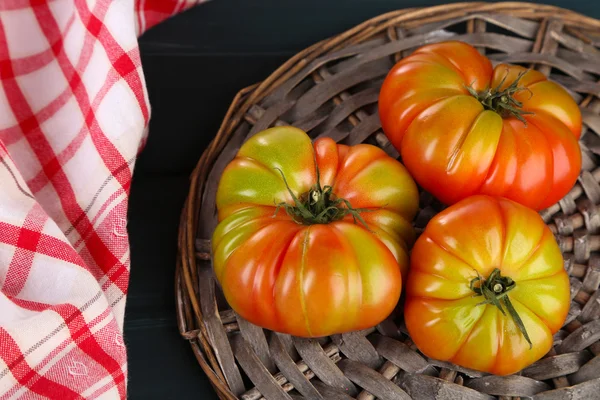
[465, 128]
[288, 252]
[486, 289]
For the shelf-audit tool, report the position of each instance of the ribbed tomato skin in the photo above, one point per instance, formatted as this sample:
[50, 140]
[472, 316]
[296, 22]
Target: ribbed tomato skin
[469, 239]
[320, 279]
[455, 148]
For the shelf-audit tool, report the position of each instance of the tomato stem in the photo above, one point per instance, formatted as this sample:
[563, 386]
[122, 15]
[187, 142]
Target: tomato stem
[319, 205]
[495, 291]
[502, 101]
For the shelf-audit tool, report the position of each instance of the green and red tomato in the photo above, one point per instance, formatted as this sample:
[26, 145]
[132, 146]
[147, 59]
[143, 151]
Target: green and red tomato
[312, 253]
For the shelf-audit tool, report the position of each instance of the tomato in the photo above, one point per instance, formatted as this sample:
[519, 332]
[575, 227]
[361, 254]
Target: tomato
[476, 250]
[463, 127]
[287, 251]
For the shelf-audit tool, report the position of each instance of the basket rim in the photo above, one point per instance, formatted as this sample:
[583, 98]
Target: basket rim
[247, 94]
[241, 102]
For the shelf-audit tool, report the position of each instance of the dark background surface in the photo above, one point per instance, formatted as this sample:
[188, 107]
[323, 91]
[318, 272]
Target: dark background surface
[194, 65]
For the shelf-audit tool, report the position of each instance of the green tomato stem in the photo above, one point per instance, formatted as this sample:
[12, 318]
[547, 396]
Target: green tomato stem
[319, 205]
[495, 291]
[503, 101]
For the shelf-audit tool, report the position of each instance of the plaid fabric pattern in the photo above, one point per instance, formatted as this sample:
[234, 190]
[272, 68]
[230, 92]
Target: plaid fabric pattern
[74, 113]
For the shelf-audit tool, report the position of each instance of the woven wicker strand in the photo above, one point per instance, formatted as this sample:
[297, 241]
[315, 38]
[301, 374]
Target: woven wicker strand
[331, 89]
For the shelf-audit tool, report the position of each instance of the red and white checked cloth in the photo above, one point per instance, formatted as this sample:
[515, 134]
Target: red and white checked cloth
[73, 117]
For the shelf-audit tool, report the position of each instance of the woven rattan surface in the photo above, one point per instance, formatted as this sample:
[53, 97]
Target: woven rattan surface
[331, 89]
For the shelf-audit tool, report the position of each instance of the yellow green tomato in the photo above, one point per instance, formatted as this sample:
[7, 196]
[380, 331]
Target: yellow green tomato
[312, 239]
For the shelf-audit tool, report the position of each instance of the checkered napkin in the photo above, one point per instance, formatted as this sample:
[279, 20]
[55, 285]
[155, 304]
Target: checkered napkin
[73, 117]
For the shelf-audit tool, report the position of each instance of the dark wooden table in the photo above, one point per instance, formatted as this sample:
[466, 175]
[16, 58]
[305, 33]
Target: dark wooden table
[194, 65]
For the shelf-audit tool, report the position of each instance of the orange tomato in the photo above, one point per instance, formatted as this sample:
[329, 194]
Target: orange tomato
[465, 128]
[288, 252]
[505, 247]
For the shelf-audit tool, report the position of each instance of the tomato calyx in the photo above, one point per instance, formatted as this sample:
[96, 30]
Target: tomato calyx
[495, 291]
[503, 101]
[319, 205]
